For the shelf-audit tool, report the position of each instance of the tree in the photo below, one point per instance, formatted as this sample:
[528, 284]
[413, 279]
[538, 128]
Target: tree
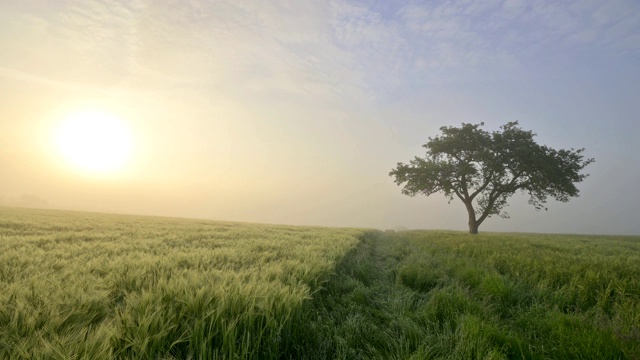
[484, 169]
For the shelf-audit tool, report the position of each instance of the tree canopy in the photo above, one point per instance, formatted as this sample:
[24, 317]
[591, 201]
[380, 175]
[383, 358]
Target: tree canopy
[483, 169]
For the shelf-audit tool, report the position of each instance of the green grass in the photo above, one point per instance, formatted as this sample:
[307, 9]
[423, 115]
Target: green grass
[449, 295]
[96, 286]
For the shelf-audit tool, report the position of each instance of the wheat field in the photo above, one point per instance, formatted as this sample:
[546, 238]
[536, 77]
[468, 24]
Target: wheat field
[79, 285]
[96, 286]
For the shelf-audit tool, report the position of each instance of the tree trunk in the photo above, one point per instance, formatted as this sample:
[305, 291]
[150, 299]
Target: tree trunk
[473, 228]
[473, 223]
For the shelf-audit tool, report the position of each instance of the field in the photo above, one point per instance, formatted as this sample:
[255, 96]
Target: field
[95, 286]
[449, 295]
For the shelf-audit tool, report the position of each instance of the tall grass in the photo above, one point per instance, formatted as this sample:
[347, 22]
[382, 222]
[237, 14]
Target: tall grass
[449, 295]
[97, 286]
[562, 296]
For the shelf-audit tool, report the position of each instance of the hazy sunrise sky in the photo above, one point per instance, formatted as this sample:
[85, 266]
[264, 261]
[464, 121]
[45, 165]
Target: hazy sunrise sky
[294, 112]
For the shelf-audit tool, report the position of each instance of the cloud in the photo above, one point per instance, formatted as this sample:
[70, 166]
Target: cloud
[327, 49]
[470, 32]
[19, 75]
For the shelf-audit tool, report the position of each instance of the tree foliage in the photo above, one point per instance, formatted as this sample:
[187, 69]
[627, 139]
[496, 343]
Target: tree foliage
[483, 169]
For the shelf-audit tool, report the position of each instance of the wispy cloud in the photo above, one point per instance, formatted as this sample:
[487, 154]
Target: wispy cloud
[454, 33]
[327, 49]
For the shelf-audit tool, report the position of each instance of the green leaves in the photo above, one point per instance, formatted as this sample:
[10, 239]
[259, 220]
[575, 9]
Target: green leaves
[473, 164]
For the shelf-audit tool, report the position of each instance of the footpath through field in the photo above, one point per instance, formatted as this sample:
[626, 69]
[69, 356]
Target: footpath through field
[364, 312]
[445, 295]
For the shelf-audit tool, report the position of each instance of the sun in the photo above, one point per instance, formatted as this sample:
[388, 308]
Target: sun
[94, 141]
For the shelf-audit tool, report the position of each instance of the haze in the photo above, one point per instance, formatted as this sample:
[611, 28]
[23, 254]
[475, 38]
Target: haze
[294, 112]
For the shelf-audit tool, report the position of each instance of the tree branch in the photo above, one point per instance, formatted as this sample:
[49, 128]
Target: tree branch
[482, 187]
[493, 196]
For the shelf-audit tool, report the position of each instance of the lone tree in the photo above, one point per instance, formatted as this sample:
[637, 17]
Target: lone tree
[483, 169]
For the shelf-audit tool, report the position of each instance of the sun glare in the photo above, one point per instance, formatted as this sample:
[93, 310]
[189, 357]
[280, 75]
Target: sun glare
[94, 142]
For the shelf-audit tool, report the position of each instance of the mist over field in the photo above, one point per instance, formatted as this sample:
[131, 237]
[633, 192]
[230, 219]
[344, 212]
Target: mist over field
[295, 112]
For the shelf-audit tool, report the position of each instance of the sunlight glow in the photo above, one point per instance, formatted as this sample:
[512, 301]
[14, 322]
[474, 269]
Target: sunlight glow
[95, 142]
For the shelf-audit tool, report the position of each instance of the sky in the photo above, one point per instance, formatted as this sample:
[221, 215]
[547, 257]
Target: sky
[294, 112]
